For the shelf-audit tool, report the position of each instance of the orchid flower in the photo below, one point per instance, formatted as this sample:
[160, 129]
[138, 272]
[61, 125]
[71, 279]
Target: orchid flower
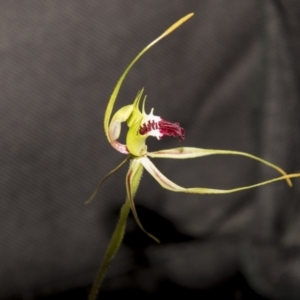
[140, 126]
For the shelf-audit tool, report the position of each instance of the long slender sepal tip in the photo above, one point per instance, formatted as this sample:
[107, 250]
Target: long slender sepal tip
[178, 23]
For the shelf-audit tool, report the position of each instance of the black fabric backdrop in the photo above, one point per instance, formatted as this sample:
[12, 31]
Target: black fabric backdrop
[230, 76]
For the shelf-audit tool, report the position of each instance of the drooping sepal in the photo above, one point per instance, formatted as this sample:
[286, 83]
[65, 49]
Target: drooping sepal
[133, 178]
[170, 185]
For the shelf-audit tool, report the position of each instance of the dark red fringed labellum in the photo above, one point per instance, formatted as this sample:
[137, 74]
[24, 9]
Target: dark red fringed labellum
[164, 127]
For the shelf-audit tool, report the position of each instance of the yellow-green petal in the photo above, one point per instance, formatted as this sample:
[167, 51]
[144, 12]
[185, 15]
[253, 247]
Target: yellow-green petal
[170, 185]
[135, 142]
[119, 117]
[190, 152]
[133, 178]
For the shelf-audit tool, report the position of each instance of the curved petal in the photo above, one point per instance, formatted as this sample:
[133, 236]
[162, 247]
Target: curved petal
[170, 185]
[120, 116]
[190, 152]
[133, 178]
[103, 179]
[115, 92]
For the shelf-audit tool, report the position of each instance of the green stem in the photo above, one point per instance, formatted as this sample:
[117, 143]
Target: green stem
[119, 232]
[112, 249]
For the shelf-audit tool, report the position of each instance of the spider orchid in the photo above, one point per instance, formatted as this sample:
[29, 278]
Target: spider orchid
[140, 126]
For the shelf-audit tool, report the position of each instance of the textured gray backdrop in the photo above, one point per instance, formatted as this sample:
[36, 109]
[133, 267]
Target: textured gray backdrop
[230, 76]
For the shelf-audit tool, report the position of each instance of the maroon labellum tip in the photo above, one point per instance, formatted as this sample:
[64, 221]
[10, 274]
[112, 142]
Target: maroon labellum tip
[162, 128]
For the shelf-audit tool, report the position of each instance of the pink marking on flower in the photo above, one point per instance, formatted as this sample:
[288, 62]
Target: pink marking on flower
[164, 128]
[120, 147]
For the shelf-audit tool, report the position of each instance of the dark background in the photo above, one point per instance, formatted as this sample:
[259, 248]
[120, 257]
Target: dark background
[230, 76]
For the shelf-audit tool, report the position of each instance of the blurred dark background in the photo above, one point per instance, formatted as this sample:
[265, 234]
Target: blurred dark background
[230, 76]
